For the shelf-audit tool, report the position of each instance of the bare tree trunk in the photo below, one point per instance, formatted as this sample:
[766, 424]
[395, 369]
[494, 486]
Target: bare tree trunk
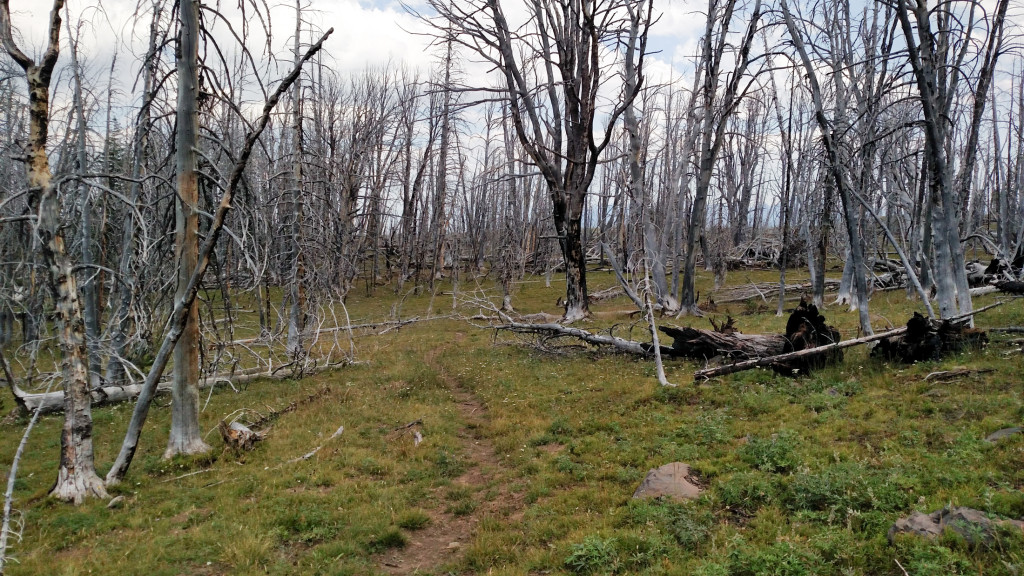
[186, 436]
[179, 315]
[856, 254]
[951, 278]
[90, 299]
[76, 477]
[654, 258]
[714, 125]
[126, 286]
[297, 312]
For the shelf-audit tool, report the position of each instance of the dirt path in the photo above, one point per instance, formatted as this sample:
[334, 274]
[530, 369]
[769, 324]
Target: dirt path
[445, 538]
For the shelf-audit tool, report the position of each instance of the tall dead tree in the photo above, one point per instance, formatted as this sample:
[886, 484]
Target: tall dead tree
[838, 175]
[126, 286]
[716, 111]
[76, 477]
[179, 315]
[186, 436]
[930, 49]
[297, 293]
[90, 295]
[552, 70]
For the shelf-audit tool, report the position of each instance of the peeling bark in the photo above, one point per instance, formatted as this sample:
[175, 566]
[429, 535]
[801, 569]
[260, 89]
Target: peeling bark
[76, 476]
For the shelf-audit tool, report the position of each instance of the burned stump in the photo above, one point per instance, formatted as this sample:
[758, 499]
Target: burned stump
[927, 339]
[805, 329]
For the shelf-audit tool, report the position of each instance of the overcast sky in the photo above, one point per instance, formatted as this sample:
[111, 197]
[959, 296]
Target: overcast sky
[368, 32]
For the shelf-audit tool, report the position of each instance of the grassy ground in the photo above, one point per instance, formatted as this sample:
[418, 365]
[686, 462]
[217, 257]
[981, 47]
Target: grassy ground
[529, 460]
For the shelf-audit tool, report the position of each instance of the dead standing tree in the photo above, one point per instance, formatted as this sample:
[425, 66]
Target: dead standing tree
[178, 317]
[76, 478]
[716, 112]
[185, 436]
[553, 68]
[938, 67]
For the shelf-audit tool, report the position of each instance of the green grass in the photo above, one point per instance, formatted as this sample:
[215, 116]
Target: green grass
[802, 476]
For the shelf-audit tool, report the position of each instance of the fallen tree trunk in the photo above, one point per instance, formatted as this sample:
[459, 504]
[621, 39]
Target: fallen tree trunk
[699, 344]
[810, 352]
[52, 402]
[1016, 288]
[238, 436]
[790, 356]
[764, 291]
[558, 330]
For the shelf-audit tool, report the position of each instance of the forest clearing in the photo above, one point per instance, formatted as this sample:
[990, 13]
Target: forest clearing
[468, 450]
[701, 287]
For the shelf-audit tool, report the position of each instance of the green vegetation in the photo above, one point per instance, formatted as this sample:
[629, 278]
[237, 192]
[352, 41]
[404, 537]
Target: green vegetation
[801, 476]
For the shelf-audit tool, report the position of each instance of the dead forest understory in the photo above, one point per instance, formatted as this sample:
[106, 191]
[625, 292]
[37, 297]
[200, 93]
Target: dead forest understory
[446, 446]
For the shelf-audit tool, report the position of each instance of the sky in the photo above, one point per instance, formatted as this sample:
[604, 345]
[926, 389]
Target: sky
[366, 33]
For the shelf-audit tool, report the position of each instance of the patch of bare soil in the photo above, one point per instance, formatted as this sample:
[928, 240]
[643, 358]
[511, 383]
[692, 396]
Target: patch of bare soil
[444, 539]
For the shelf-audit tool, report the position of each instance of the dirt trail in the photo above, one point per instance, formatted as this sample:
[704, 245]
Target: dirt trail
[445, 538]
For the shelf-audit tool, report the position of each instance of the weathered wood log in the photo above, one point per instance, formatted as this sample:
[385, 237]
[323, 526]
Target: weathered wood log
[806, 328]
[701, 344]
[975, 292]
[790, 356]
[763, 290]
[51, 402]
[947, 375]
[1009, 329]
[555, 329]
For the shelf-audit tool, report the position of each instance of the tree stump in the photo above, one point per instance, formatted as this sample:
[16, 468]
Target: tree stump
[238, 436]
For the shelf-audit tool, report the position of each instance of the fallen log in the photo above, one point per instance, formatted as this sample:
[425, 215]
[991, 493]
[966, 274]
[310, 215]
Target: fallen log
[52, 402]
[806, 328]
[1016, 288]
[810, 352]
[975, 292]
[1009, 329]
[558, 330]
[699, 344]
[947, 375]
[790, 356]
[764, 291]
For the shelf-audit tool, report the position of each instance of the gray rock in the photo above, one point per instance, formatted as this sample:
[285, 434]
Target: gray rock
[919, 524]
[1004, 433]
[972, 525]
[671, 481]
[116, 502]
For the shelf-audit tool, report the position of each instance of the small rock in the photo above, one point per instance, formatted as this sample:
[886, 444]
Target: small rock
[1004, 433]
[972, 525]
[926, 525]
[116, 502]
[454, 545]
[671, 480]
